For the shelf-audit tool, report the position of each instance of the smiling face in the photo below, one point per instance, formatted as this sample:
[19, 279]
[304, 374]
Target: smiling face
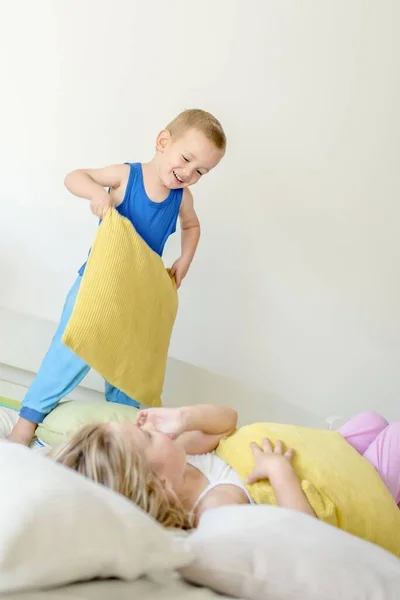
[182, 161]
[165, 456]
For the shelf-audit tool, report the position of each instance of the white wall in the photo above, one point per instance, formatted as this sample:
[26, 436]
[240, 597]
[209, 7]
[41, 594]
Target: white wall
[296, 286]
[29, 338]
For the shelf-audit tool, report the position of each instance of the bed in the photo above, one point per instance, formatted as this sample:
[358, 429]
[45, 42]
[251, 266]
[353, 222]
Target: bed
[58, 528]
[141, 589]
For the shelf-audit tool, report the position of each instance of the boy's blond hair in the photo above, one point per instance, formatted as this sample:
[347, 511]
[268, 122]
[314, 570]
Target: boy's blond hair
[203, 121]
[108, 457]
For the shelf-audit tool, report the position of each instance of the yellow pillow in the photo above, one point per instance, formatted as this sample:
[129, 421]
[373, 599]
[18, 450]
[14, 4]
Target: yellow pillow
[125, 311]
[343, 487]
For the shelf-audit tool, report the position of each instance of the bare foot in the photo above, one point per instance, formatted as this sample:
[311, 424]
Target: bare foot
[23, 432]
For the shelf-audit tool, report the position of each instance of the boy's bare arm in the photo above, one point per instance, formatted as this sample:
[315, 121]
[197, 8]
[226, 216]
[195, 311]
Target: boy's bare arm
[190, 227]
[90, 184]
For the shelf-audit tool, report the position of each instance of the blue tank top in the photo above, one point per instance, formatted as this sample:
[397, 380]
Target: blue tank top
[154, 221]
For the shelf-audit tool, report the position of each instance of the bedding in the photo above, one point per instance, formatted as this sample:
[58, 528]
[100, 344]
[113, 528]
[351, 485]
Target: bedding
[269, 553]
[10, 404]
[57, 527]
[68, 417]
[8, 416]
[9, 410]
[68, 529]
[141, 589]
[354, 498]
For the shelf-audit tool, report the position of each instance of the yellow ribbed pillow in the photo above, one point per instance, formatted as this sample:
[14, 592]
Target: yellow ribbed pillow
[343, 487]
[124, 313]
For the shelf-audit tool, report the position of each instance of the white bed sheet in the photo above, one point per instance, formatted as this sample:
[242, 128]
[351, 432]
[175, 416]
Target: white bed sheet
[8, 419]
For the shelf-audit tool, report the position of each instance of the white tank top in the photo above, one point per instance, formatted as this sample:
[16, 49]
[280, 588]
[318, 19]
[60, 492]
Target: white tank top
[217, 472]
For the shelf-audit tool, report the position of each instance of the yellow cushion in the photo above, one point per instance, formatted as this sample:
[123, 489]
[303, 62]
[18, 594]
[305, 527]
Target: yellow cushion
[124, 312]
[343, 487]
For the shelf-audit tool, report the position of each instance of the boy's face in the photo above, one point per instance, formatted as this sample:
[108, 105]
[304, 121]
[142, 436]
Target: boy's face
[183, 161]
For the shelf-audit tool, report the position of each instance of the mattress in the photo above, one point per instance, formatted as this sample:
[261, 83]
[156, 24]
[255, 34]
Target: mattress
[142, 589]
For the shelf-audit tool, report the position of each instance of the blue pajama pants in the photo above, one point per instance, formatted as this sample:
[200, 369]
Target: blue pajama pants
[60, 372]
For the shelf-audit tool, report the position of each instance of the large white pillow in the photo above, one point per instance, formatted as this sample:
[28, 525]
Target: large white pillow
[57, 527]
[268, 553]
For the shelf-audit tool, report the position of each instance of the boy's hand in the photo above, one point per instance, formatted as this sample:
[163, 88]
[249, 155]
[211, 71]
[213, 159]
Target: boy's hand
[101, 203]
[165, 420]
[269, 461]
[179, 270]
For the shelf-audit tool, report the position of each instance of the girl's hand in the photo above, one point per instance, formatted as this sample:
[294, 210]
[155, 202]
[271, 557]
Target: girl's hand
[269, 460]
[165, 420]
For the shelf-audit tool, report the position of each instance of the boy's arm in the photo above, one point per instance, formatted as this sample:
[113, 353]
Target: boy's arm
[90, 184]
[190, 227]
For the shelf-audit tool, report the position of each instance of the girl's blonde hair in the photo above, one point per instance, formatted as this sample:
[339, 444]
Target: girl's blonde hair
[106, 456]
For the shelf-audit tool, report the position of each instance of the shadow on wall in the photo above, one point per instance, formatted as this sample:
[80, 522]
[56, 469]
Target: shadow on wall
[187, 384]
[25, 340]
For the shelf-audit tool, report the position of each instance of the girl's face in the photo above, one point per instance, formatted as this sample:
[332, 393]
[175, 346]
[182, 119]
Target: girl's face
[166, 457]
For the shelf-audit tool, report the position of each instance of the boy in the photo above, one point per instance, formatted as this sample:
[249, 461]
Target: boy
[151, 196]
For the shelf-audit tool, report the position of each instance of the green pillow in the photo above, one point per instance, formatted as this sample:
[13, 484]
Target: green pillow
[70, 416]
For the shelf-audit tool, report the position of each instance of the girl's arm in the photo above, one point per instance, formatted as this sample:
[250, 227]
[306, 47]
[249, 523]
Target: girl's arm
[205, 425]
[198, 428]
[274, 464]
[288, 491]
[209, 419]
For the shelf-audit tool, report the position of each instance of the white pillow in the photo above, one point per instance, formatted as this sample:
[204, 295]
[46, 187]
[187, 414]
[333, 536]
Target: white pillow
[57, 527]
[265, 552]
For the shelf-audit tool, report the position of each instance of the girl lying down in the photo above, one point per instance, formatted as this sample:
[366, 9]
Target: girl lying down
[176, 463]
